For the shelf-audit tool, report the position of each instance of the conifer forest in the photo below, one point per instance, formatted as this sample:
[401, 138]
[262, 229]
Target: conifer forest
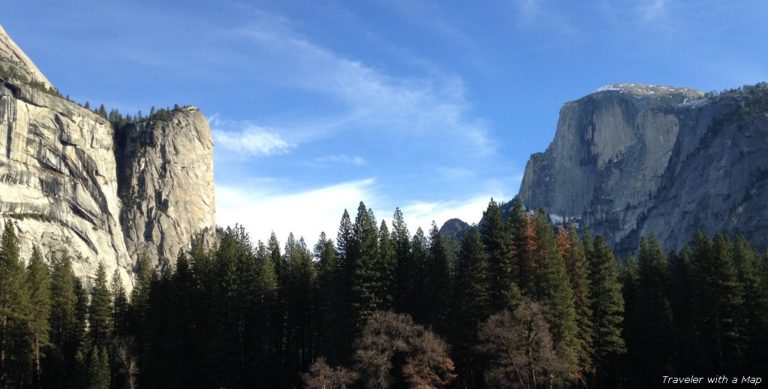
[513, 302]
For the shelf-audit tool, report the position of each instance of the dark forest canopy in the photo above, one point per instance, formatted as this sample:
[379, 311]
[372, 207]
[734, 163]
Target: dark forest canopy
[515, 303]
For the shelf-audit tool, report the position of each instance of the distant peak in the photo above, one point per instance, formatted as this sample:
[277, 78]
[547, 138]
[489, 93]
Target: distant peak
[648, 90]
[13, 59]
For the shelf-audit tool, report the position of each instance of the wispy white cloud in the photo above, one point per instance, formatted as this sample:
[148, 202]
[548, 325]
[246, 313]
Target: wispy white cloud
[309, 212]
[368, 98]
[341, 159]
[305, 213]
[422, 214]
[252, 140]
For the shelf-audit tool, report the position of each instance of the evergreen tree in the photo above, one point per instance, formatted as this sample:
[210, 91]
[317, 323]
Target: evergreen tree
[632, 322]
[716, 274]
[525, 249]
[328, 335]
[404, 269]
[607, 312]
[269, 324]
[686, 304]
[753, 276]
[365, 281]
[100, 310]
[278, 260]
[653, 352]
[98, 369]
[300, 311]
[472, 306]
[515, 230]
[345, 247]
[385, 267]
[38, 283]
[139, 311]
[437, 283]
[60, 363]
[419, 252]
[16, 355]
[552, 286]
[577, 268]
[119, 305]
[81, 346]
[501, 260]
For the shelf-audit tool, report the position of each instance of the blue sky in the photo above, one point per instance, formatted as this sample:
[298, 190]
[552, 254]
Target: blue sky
[432, 106]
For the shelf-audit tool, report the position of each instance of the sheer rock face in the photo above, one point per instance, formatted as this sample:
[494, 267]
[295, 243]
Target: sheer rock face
[69, 182]
[13, 58]
[165, 172]
[58, 179]
[631, 160]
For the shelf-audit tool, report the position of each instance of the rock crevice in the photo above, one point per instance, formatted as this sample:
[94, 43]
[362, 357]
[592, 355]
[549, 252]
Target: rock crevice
[631, 160]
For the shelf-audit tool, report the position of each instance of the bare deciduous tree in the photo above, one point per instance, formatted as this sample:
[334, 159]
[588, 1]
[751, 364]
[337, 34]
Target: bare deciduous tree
[125, 351]
[520, 349]
[394, 350]
[322, 376]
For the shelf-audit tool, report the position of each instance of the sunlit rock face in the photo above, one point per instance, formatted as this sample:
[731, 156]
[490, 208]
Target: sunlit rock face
[70, 181]
[630, 160]
[165, 171]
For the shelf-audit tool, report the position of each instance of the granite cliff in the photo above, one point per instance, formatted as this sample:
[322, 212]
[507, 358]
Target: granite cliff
[631, 160]
[70, 180]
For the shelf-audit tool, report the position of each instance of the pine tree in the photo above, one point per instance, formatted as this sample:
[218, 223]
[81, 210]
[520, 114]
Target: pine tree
[139, 311]
[38, 283]
[553, 287]
[119, 305]
[437, 283]
[140, 294]
[345, 247]
[385, 268]
[516, 228]
[686, 305]
[81, 347]
[505, 293]
[753, 276]
[16, 354]
[299, 288]
[278, 260]
[100, 310]
[328, 334]
[525, 249]
[652, 354]
[268, 327]
[572, 250]
[60, 364]
[419, 252]
[715, 272]
[404, 269]
[471, 296]
[365, 281]
[98, 369]
[632, 369]
[607, 311]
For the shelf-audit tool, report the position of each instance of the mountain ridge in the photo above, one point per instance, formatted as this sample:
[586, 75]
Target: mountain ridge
[72, 181]
[630, 163]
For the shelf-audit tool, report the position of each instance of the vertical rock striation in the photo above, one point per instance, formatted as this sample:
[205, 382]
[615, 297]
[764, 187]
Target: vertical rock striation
[70, 181]
[630, 160]
[165, 172]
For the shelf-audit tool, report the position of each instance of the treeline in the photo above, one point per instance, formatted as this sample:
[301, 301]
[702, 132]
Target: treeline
[9, 73]
[115, 117]
[515, 303]
[120, 121]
